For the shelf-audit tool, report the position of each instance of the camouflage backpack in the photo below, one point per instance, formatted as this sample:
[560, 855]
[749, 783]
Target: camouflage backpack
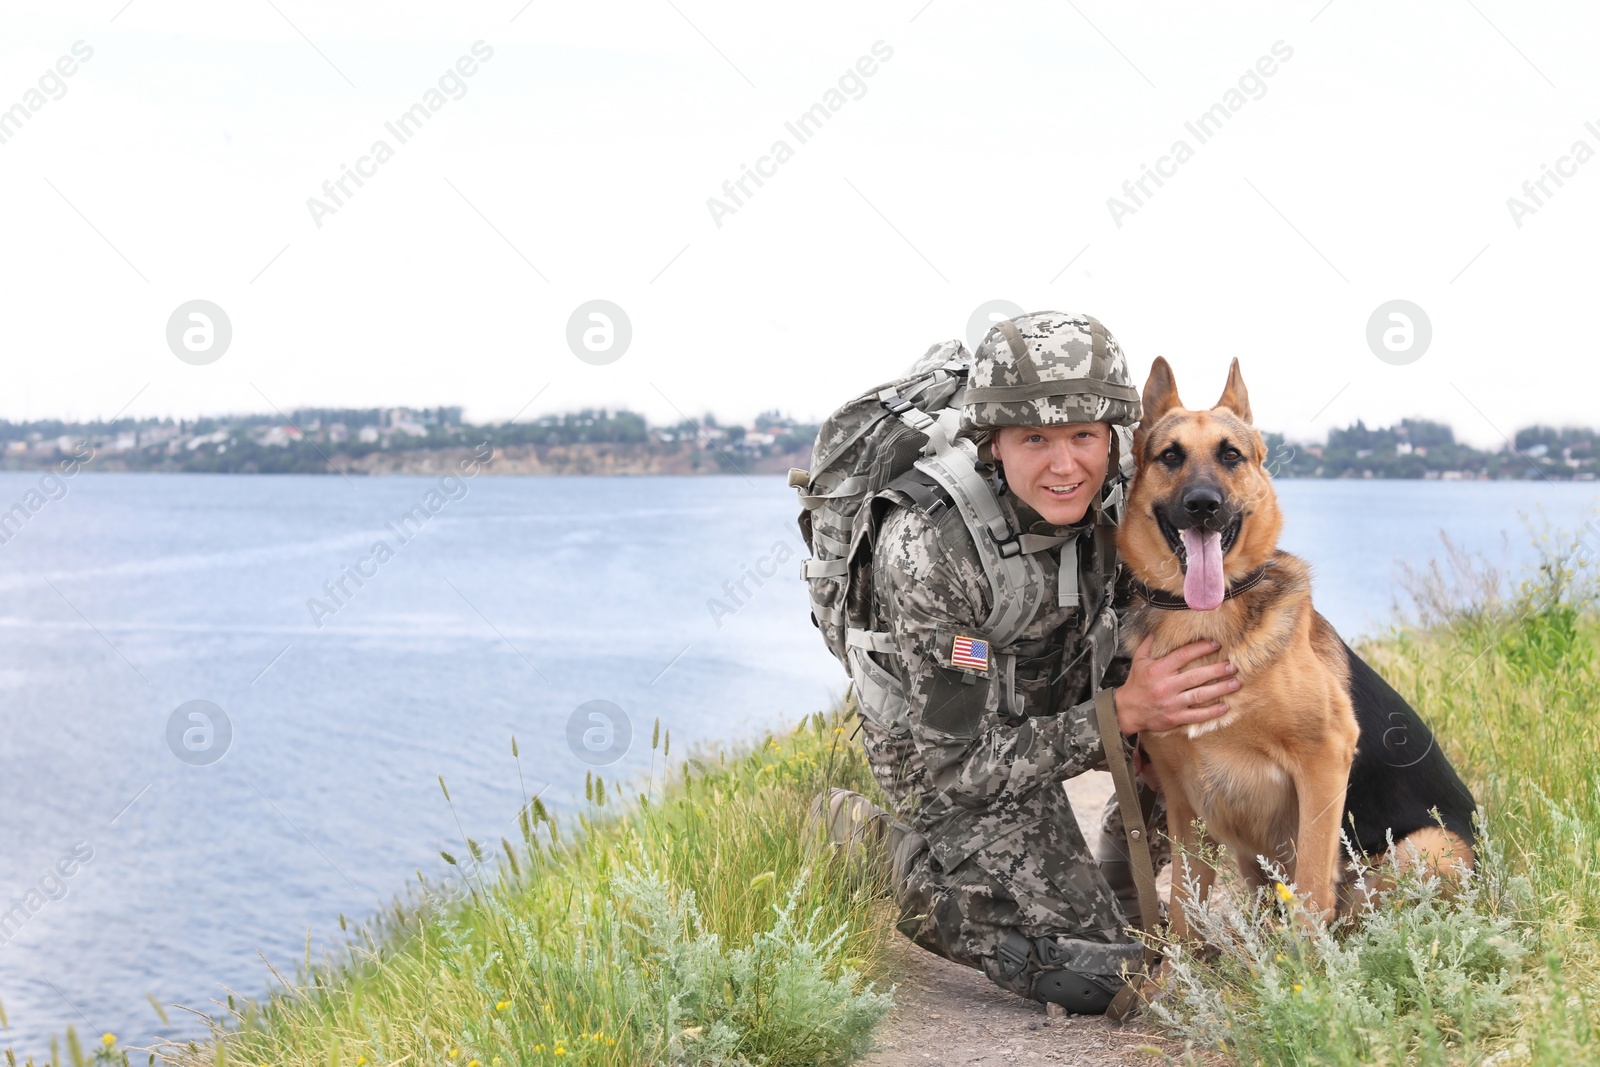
[860, 449]
[882, 436]
[903, 436]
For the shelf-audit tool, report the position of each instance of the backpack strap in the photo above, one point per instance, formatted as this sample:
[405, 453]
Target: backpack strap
[871, 640]
[925, 494]
[945, 476]
[847, 487]
[824, 568]
[1014, 575]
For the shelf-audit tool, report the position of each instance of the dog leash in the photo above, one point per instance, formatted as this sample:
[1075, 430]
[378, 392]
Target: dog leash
[1144, 873]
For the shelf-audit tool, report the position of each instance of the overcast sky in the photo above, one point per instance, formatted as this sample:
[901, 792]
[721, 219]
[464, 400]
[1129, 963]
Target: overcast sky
[974, 163]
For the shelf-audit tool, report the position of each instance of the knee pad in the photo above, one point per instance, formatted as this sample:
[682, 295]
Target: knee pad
[1082, 994]
[1082, 976]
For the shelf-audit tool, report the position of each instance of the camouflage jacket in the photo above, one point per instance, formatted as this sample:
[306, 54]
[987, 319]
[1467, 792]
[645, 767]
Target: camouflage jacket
[977, 744]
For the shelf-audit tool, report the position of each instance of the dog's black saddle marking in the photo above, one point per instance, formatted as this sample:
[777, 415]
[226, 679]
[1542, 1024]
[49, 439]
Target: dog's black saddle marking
[1400, 772]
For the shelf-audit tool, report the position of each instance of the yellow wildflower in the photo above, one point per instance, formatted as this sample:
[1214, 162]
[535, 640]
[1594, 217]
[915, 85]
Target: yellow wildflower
[360, 1060]
[560, 1051]
[1285, 894]
[503, 1005]
[472, 1063]
[454, 1053]
[108, 1040]
[1297, 987]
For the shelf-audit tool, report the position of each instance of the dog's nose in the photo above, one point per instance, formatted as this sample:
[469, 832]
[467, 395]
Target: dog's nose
[1202, 501]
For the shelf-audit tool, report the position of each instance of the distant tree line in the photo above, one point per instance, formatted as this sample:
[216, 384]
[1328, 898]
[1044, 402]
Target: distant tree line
[308, 438]
[1420, 448]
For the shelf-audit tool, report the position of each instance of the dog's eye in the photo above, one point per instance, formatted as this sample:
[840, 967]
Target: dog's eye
[1171, 455]
[1232, 455]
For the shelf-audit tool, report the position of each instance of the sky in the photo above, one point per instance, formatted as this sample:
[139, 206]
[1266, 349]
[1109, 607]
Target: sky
[963, 154]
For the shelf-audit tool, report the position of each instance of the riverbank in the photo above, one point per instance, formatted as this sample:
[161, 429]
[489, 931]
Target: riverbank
[690, 921]
[694, 920]
[705, 925]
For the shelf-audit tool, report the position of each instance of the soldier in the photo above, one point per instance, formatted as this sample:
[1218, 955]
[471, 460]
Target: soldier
[990, 867]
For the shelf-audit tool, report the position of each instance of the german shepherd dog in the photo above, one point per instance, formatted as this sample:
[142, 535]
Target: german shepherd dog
[1313, 739]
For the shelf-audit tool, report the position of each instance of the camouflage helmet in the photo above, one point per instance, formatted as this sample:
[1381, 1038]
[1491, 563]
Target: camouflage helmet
[1046, 368]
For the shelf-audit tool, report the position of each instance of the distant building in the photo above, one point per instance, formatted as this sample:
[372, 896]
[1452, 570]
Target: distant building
[206, 439]
[279, 436]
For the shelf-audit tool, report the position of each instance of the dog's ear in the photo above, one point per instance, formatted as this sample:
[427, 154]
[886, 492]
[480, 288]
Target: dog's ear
[1160, 393]
[1234, 397]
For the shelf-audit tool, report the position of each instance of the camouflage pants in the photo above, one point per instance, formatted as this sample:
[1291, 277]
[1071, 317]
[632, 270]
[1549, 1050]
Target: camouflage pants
[1041, 882]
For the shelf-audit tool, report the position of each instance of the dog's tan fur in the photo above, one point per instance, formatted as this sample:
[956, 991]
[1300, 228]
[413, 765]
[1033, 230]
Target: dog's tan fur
[1267, 778]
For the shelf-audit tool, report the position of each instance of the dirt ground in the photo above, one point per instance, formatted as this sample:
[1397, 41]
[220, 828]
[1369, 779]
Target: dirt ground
[946, 1014]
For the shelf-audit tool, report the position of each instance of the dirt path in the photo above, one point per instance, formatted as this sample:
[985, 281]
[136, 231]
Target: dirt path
[946, 1014]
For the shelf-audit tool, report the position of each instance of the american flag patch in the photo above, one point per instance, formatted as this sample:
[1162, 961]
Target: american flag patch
[970, 652]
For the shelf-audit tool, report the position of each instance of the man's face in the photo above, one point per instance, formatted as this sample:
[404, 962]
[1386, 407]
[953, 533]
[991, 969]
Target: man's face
[1056, 470]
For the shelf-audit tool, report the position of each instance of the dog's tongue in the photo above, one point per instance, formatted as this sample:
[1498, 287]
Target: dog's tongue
[1202, 580]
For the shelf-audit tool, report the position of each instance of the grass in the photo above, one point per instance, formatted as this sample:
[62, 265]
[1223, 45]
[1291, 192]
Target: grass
[696, 922]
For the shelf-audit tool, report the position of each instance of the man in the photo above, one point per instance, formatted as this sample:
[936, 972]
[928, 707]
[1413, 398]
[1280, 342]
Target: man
[991, 869]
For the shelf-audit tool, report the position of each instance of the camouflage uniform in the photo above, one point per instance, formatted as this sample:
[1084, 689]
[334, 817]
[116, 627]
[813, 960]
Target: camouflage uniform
[1005, 882]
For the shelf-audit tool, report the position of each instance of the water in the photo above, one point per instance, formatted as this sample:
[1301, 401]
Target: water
[516, 601]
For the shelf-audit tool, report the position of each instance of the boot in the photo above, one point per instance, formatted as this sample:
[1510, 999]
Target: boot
[1117, 869]
[850, 820]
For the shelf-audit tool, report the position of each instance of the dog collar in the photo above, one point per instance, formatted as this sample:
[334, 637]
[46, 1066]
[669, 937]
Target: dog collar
[1157, 598]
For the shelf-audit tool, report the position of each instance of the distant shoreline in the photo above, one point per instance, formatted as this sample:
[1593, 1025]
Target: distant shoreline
[606, 442]
[609, 460]
[604, 460]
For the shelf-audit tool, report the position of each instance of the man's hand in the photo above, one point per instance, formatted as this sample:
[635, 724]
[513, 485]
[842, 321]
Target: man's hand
[1161, 694]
